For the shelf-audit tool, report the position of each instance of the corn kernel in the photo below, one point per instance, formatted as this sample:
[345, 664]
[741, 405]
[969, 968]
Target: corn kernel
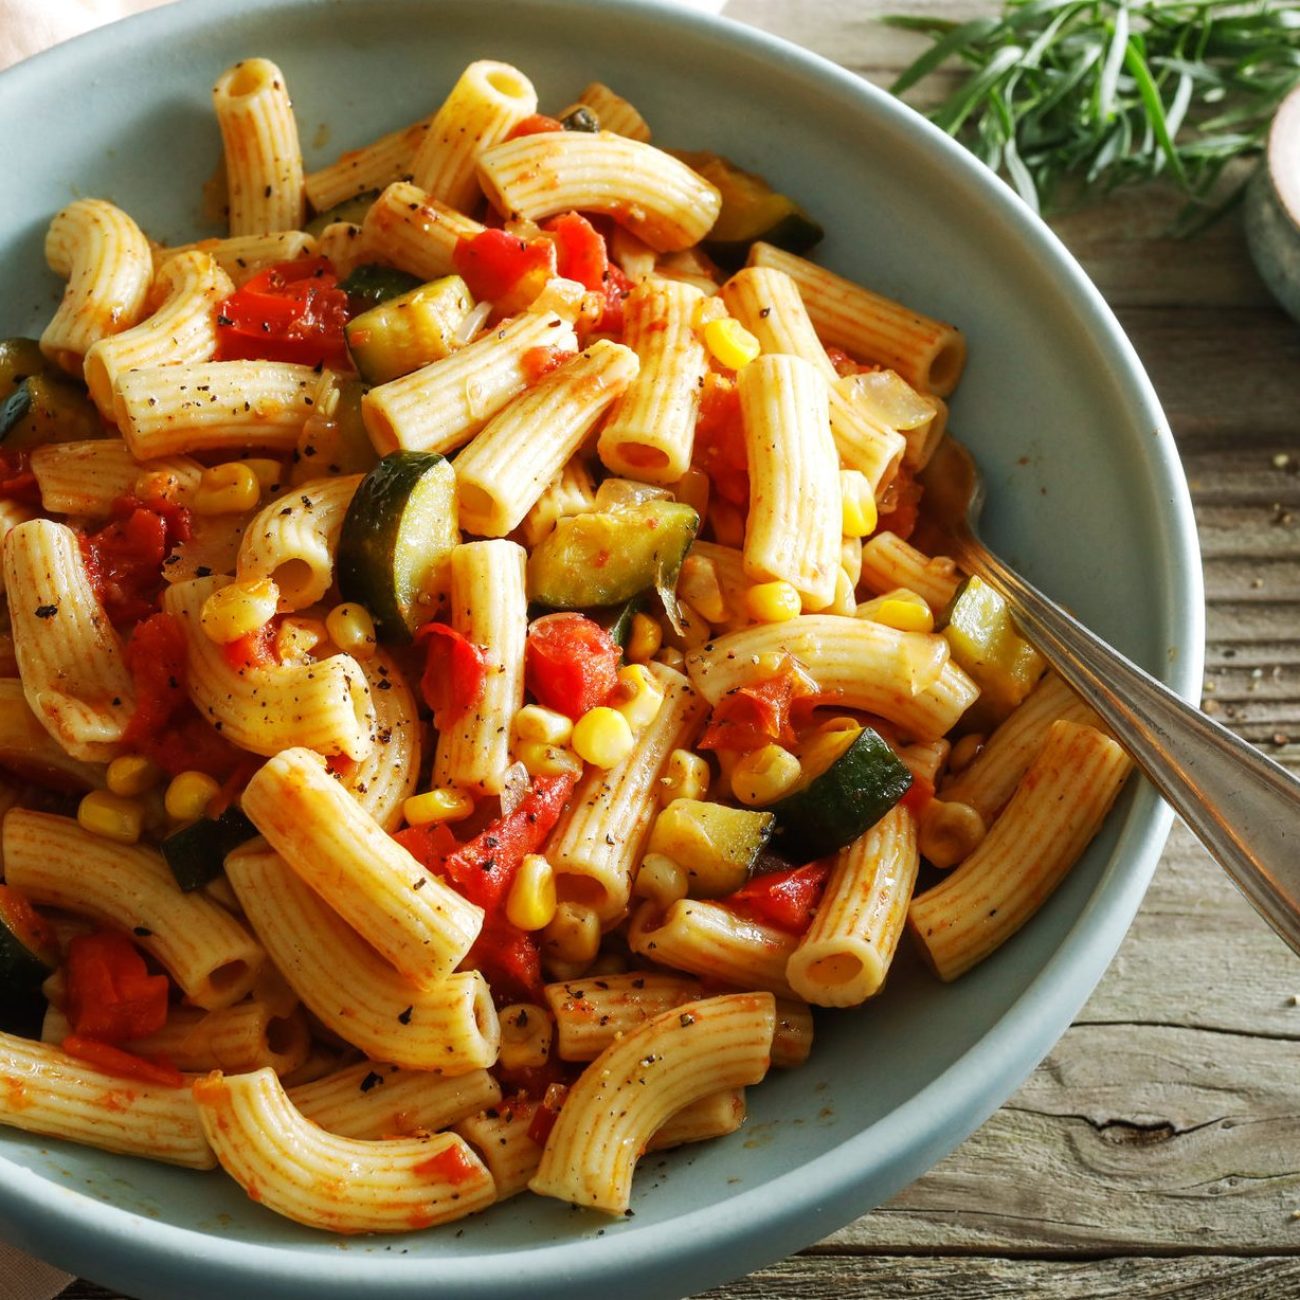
[526, 1032]
[228, 489]
[730, 344]
[164, 484]
[858, 503]
[352, 629]
[110, 817]
[686, 776]
[692, 489]
[765, 775]
[443, 804]
[728, 524]
[547, 760]
[965, 751]
[533, 722]
[130, 774]
[644, 640]
[845, 601]
[902, 610]
[698, 583]
[603, 737]
[671, 657]
[269, 473]
[239, 608]
[297, 638]
[189, 794]
[573, 934]
[638, 696]
[949, 832]
[772, 602]
[661, 880]
[531, 901]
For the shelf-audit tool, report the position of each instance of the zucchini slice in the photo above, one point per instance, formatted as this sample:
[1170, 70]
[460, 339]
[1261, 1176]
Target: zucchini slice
[718, 845]
[197, 853]
[370, 284]
[751, 210]
[986, 642]
[353, 210]
[27, 956]
[337, 443]
[397, 538]
[409, 331]
[40, 404]
[606, 557]
[851, 780]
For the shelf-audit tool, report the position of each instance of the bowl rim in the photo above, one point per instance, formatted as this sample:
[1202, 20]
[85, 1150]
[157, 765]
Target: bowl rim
[704, 1247]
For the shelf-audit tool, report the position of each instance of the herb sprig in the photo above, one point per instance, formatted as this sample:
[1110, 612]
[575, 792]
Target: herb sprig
[1074, 95]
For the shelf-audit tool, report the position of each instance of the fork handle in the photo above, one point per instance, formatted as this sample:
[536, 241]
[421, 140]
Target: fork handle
[1243, 807]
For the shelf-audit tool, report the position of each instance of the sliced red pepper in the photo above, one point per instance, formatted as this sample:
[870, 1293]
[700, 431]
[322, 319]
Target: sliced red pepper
[111, 995]
[919, 793]
[547, 1113]
[454, 1166]
[570, 663]
[503, 269]
[17, 482]
[786, 900]
[292, 311]
[126, 1065]
[124, 559]
[455, 673]
[536, 124]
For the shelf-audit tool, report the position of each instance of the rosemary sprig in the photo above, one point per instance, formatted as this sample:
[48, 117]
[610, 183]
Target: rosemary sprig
[1070, 96]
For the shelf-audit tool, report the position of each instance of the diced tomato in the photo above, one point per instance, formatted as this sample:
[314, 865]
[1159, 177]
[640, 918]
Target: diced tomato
[126, 1065]
[919, 793]
[786, 900]
[292, 311]
[454, 1165]
[455, 672]
[537, 363]
[503, 269]
[752, 716]
[571, 663]
[720, 439]
[17, 482]
[617, 287]
[510, 961]
[547, 1113]
[111, 995]
[903, 500]
[845, 364]
[536, 124]
[124, 559]
[580, 252]
[23, 921]
[256, 650]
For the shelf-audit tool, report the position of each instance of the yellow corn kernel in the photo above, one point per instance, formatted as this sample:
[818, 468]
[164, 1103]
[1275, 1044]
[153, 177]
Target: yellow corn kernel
[526, 1032]
[764, 775]
[533, 722]
[639, 696]
[949, 832]
[547, 760]
[661, 880]
[686, 776]
[352, 629]
[772, 602]
[297, 638]
[573, 934]
[671, 657]
[698, 583]
[730, 344]
[189, 794]
[229, 489]
[239, 608]
[644, 640]
[692, 489]
[130, 774]
[531, 902]
[728, 524]
[963, 752]
[164, 484]
[602, 737]
[442, 804]
[110, 817]
[902, 610]
[858, 503]
[845, 600]
[269, 473]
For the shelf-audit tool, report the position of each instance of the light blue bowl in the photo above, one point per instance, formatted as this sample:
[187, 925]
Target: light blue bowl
[1087, 497]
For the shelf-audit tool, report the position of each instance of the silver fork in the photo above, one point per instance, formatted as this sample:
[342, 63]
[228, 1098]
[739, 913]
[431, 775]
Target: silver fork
[1243, 807]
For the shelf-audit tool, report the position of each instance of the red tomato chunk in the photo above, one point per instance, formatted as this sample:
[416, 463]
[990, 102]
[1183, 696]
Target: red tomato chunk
[293, 311]
[571, 663]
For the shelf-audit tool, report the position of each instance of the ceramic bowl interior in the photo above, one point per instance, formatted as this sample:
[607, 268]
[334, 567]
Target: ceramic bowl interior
[1086, 495]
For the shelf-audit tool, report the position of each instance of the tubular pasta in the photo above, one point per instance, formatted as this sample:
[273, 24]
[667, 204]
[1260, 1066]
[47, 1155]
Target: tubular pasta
[411, 230]
[371, 167]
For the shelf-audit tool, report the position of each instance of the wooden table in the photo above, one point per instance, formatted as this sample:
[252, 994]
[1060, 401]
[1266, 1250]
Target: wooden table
[1156, 1151]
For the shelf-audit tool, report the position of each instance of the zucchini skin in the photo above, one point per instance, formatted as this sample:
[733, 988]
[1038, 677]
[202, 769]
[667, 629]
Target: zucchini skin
[841, 803]
[370, 284]
[197, 853]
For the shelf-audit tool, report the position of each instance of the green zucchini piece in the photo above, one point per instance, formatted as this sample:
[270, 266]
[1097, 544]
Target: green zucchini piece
[370, 284]
[197, 853]
[717, 844]
[409, 331]
[986, 642]
[337, 442]
[618, 620]
[352, 210]
[398, 535]
[606, 557]
[40, 404]
[19, 358]
[834, 804]
[751, 210]
[27, 955]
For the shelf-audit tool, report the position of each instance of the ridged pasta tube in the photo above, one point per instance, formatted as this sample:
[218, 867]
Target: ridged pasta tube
[383, 780]
[411, 230]
[614, 113]
[888, 563]
[767, 303]
[370, 167]
[85, 478]
[27, 748]
[244, 256]
[863, 444]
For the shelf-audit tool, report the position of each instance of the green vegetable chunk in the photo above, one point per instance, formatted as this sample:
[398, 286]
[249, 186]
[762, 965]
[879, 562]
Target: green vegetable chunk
[396, 543]
[408, 331]
[39, 403]
[751, 210]
[352, 210]
[197, 853]
[861, 780]
[370, 284]
[334, 439]
[606, 557]
[718, 845]
[26, 959]
[986, 643]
